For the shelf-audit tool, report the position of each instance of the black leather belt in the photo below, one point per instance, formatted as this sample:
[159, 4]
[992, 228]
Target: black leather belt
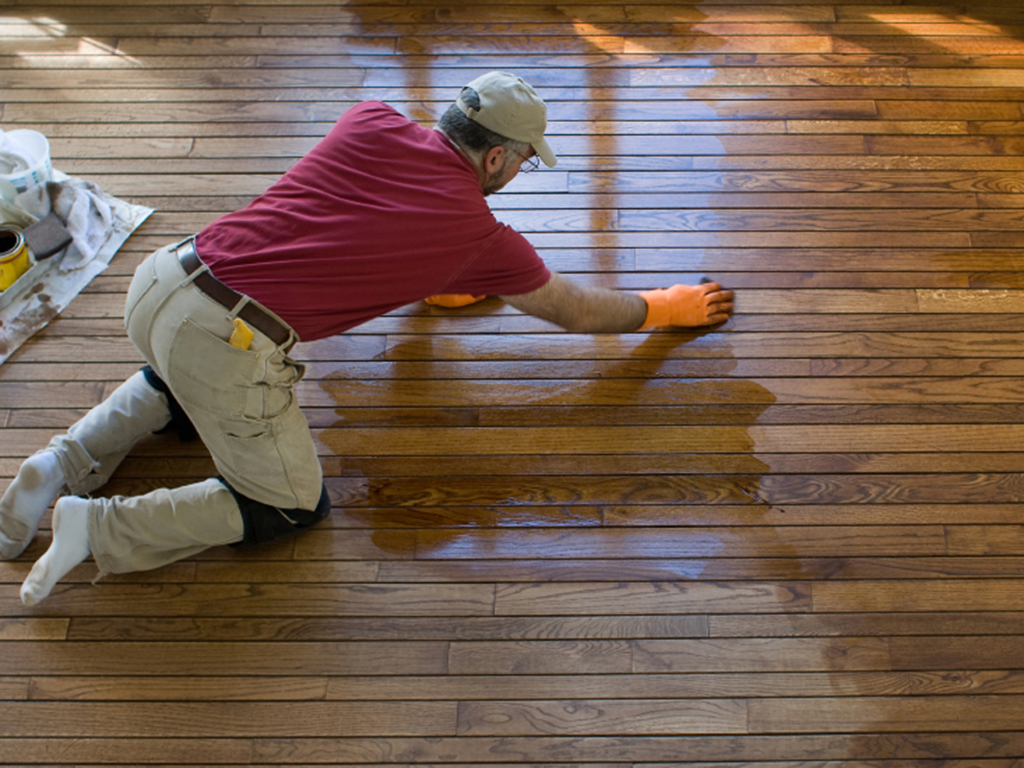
[251, 313]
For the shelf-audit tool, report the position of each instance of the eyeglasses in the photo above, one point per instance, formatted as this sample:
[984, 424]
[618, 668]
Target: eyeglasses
[529, 164]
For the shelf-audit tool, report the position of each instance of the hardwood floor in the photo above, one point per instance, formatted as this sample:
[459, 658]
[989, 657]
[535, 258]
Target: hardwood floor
[794, 540]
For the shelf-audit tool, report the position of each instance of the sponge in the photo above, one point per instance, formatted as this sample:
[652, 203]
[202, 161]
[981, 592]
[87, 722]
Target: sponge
[47, 236]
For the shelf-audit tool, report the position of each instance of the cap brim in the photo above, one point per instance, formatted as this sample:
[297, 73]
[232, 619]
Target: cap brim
[544, 153]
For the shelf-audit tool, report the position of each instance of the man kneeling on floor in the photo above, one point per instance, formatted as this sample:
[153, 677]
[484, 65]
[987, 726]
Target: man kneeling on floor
[381, 213]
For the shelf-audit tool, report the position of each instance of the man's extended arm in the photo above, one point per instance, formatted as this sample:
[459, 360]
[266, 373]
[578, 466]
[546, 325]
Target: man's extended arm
[582, 309]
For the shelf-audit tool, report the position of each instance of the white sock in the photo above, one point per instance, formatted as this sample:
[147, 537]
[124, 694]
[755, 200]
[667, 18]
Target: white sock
[69, 548]
[39, 481]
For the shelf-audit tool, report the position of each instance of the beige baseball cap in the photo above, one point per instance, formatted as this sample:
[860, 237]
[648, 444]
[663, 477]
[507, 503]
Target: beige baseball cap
[510, 107]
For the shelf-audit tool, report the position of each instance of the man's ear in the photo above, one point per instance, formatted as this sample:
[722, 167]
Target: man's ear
[494, 160]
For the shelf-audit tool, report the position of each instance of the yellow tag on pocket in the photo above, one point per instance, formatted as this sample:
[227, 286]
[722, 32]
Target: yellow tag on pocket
[242, 336]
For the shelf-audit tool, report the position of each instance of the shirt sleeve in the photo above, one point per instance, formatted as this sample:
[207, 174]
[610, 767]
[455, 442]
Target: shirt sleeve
[509, 266]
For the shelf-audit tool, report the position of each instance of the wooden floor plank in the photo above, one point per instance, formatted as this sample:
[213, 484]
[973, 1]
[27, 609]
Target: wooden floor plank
[193, 720]
[598, 717]
[653, 570]
[346, 629]
[654, 598]
[271, 659]
[542, 749]
[721, 684]
[293, 600]
[945, 714]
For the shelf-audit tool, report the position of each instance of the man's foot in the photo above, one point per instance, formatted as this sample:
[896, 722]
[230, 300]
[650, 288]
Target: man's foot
[69, 548]
[39, 482]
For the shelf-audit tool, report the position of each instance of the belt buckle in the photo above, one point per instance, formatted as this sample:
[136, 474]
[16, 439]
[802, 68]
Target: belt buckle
[185, 247]
[185, 253]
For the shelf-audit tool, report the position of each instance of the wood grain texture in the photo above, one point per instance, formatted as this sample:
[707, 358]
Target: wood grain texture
[792, 540]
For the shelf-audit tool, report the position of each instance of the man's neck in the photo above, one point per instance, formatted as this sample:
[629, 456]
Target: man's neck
[470, 158]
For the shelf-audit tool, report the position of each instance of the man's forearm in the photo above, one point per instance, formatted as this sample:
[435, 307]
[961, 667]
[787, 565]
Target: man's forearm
[600, 310]
[583, 309]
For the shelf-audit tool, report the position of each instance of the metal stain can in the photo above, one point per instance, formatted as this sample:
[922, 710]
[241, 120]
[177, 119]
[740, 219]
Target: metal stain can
[14, 261]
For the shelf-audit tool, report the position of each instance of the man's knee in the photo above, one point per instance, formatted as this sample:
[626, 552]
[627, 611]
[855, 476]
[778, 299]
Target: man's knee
[263, 523]
[180, 421]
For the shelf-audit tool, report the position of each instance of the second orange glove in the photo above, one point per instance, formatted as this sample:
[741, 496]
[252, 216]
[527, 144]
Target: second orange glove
[453, 299]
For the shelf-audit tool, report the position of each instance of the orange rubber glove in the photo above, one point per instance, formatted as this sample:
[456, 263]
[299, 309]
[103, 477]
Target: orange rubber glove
[687, 305]
[453, 299]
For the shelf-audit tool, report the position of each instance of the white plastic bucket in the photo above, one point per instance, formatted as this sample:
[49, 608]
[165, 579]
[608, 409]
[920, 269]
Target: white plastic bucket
[41, 170]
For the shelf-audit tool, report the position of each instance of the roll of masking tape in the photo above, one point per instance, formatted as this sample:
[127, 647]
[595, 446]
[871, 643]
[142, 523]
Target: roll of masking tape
[14, 261]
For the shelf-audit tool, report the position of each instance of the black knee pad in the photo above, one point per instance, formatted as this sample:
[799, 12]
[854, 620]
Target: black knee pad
[180, 421]
[263, 523]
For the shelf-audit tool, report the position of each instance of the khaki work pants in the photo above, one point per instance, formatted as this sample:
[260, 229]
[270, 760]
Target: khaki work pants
[241, 403]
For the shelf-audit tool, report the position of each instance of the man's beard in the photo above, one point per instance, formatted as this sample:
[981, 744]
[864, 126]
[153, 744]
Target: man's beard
[497, 180]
